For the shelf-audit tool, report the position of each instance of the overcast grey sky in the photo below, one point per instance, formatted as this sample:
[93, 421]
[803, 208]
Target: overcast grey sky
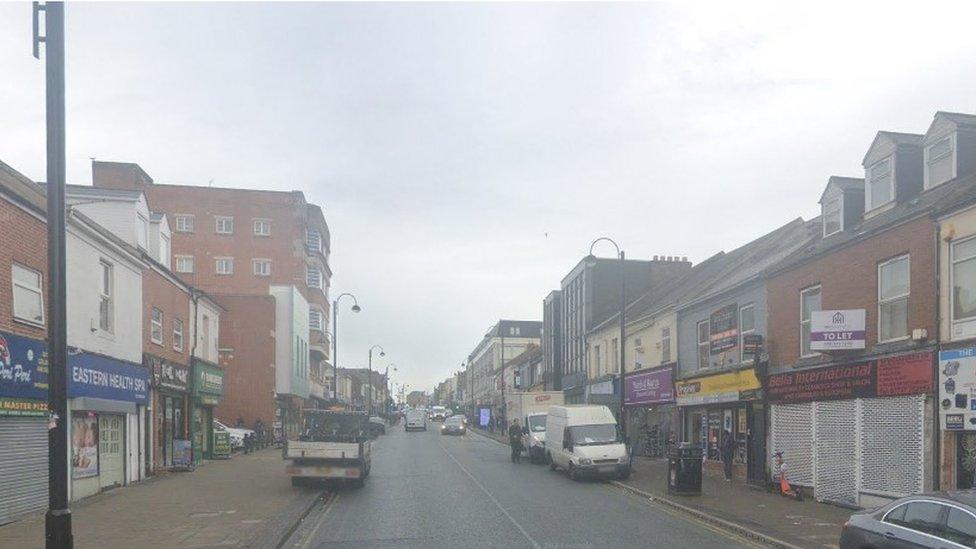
[467, 154]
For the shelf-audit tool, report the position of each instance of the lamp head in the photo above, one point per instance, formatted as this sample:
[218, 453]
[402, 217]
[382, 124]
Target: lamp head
[356, 308]
[382, 353]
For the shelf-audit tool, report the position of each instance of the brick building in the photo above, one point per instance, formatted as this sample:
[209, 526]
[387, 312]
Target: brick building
[242, 242]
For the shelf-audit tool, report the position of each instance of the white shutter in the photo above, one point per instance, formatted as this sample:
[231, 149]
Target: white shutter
[892, 438]
[836, 458]
[792, 428]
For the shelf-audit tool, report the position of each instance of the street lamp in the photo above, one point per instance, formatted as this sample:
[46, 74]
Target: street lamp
[386, 380]
[369, 379]
[591, 260]
[335, 340]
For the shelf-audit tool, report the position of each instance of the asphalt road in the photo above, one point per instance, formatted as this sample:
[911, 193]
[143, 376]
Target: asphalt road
[428, 490]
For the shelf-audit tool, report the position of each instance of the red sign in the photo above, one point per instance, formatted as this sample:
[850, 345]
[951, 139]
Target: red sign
[543, 398]
[905, 375]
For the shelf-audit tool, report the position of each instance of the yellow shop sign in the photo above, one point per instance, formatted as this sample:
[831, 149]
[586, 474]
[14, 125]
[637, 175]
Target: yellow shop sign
[723, 387]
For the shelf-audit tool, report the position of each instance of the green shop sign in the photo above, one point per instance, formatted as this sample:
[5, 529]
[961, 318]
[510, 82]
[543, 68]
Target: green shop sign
[208, 383]
[221, 445]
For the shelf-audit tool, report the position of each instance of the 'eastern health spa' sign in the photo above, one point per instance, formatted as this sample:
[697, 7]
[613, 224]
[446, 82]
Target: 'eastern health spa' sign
[837, 330]
[651, 387]
[102, 377]
[901, 375]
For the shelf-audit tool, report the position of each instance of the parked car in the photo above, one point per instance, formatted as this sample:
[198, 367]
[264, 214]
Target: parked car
[377, 426]
[938, 520]
[416, 420]
[236, 434]
[585, 440]
[438, 413]
[453, 425]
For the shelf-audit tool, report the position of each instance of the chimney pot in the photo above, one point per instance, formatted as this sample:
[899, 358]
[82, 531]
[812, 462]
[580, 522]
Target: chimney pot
[655, 258]
[684, 258]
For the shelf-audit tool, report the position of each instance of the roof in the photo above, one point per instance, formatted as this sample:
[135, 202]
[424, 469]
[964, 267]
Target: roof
[946, 196]
[156, 217]
[958, 118]
[103, 192]
[20, 186]
[844, 184]
[532, 351]
[898, 138]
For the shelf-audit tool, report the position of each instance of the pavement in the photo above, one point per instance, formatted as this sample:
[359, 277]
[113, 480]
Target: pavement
[246, 501]
[429, 490]
[749, 511]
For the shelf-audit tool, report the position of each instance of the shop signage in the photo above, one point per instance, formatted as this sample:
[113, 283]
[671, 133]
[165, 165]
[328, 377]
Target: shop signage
[601, 388]
[484, 417]
[724, 329]
[166, 374]
[22, 407]
[901, 375]
[102, 377]
[751, 344]
[725, 387]
[23, 367]
[837, 330]
[182, 454]
[651, 387]
[208, 383]
[221, 444]
[957, 389]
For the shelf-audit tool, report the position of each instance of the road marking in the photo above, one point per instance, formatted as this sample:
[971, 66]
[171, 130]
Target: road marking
[534, 543]
[315, 531]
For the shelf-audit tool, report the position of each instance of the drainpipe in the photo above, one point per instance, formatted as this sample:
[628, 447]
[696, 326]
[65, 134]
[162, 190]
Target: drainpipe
[195, 299]
[937, 439]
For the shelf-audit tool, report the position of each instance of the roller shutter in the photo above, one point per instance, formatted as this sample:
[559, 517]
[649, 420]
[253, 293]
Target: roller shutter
[23, 475]
[836, 458]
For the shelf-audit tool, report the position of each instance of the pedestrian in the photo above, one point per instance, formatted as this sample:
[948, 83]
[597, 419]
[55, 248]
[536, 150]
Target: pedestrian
[515, 439]
[728, 450]
[259, 433]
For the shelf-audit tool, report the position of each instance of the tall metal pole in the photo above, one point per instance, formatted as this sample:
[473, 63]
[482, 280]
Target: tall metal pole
[623, 346]
[502, 332]
[369, 385]
[57, 521]
[335, 350]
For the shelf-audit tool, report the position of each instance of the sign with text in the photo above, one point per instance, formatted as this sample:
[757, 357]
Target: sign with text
[98, 376]
[182, 454]
[23, 367]
[724, 329]
[957, 389]
[837, 330]
[167, 374]
[725, 387]
[651, 387]
[902, 375]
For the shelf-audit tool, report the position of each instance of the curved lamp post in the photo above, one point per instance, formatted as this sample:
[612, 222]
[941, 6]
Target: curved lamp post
[335, 340]
[369, 379]
[591, 260]
[386, 380]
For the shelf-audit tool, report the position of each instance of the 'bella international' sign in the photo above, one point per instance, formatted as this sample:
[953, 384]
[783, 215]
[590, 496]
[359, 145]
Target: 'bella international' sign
[837, 330]
[901, 375]
[651, 387]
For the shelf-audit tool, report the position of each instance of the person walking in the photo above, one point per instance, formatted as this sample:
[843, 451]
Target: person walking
[728, 450]
[515, 440]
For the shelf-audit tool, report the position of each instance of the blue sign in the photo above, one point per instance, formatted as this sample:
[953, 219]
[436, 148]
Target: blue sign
[956, 354]
[102, 377]
[485, 417]
[23, 367]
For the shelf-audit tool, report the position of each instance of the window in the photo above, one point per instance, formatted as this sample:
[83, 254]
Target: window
[225, 265]
[704, 352]
[960, 527]
[313, 277]
[881, 184]
[963, 280]
[184, 263]
[893, 290]
[921, 516]
[262, 267]
[105, 301]
[156, 332]
[833, 219]
[616, 358]
[225, 225]
[665, 345]
[809, 302]
[596, 360]
[184, 223]
[142, 232]
[940, 163]
[514, 331]
[262, 227]
[315, 319]
[313, 240]
[747, 325]
[178, 334]
[164, 250]
[28, 295]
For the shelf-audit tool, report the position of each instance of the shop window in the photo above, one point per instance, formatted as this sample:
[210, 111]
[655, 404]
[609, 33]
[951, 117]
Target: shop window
[809, 302]
[963, 278]
[156, 331]
[747, 325]
[704, 352]
[28, 295]
[893, 290]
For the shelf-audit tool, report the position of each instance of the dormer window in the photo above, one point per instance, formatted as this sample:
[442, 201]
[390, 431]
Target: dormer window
[880, 184]
[940, 165]
[832, 213]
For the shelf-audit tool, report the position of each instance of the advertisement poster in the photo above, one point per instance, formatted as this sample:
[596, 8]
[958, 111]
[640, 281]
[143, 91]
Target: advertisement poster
[182, 456]
[484, 417]
[221, 444]
[837, 330]
[957, 389]
[724, 329]
[84, 445]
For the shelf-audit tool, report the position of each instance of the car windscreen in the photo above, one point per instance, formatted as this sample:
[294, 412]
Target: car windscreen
[453, 421]
[537, 424]
[584, 435]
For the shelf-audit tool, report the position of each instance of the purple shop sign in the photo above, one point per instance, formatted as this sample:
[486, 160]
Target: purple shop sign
[651, 387]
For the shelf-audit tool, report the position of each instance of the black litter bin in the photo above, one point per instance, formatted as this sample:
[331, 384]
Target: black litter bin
[684, 470]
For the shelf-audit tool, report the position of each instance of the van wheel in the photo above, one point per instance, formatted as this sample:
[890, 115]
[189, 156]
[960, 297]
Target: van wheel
[552, 464]
[572, 472]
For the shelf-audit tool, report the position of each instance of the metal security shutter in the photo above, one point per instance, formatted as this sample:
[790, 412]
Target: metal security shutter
[792, 428]
[836, 458]
[892, 444]
[23, 474]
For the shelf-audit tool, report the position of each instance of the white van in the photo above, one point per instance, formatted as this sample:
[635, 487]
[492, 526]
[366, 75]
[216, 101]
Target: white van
[585, 440]
[416, 420]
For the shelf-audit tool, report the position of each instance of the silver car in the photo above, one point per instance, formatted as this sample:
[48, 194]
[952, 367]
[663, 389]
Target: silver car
[938, 520]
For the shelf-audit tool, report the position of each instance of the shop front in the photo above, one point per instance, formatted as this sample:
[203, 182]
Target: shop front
[170, 398]
[858, 433]
[649, 403]
[23, 426]
[728, 402]
[604, 391]
[957, 417]
[107, 401]
[207, 389]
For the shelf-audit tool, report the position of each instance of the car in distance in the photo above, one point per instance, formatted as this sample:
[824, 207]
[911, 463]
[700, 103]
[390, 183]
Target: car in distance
[453, 425]
[416, 420]
[943, 519]
[236, 434]
[438, 413]
[377, 426]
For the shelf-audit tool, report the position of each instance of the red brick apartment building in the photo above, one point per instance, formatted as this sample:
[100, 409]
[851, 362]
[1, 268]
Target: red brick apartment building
[235, 244]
